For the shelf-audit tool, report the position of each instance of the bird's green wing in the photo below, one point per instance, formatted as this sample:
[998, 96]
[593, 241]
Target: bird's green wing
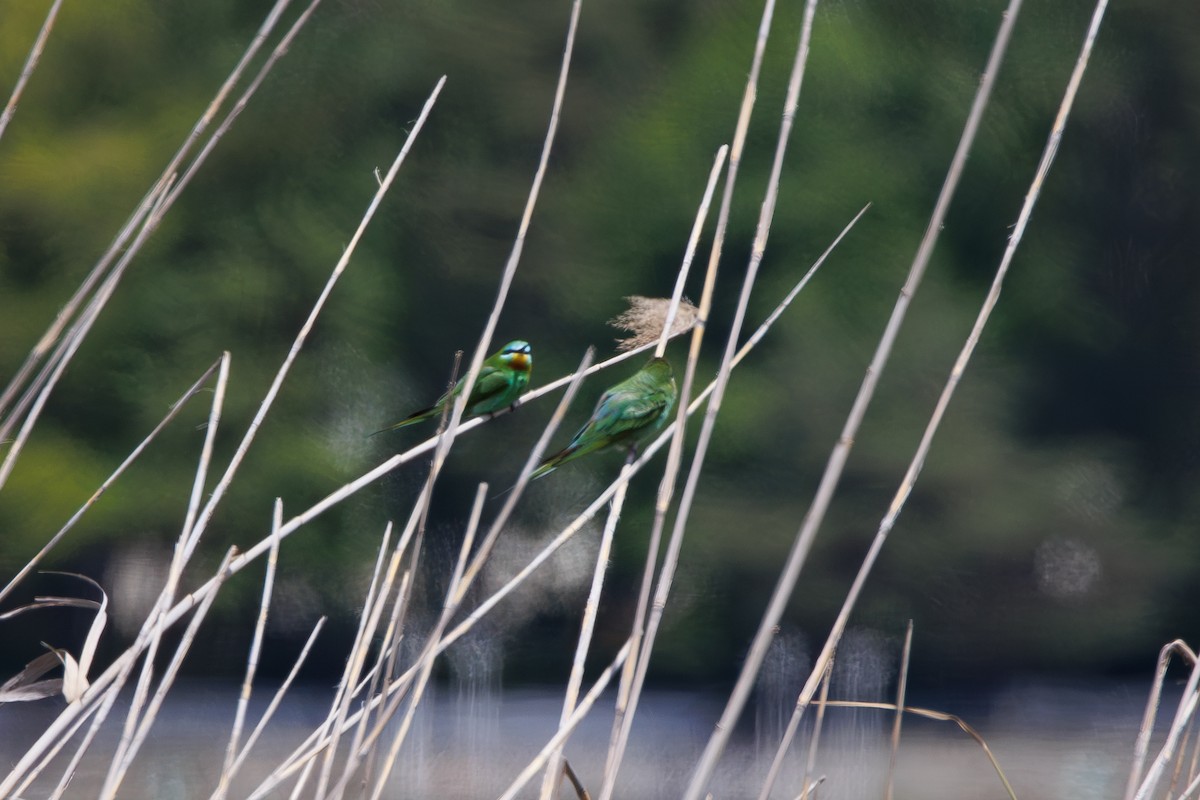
[490, 391]
[623, 413]
[491, 381]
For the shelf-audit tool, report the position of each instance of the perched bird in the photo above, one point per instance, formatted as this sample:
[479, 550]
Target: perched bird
[624, 415]
[502, 379]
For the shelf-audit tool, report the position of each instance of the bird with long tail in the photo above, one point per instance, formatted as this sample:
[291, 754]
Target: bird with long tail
[625, 415]
[502, 379]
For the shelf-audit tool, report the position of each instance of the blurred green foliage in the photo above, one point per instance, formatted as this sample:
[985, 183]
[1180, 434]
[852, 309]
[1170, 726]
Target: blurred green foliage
[1054, 525]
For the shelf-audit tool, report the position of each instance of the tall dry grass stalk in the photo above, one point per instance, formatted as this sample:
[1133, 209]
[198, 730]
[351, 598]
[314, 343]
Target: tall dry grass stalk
[31, 62]
[129, 240]
[805, 537]
[1144, 781]
[642, 320]
[964, 356]
[354, 749]
[646, 620]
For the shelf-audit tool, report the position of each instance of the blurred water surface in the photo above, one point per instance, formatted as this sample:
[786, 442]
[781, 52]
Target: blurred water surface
[470, 742]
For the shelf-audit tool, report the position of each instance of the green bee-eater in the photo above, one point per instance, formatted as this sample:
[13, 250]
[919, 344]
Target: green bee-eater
[502, 379]
[625, 414]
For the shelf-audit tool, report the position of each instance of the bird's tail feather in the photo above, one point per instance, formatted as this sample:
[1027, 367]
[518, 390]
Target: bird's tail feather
[411, 419]
[569, 453]
[549, 464]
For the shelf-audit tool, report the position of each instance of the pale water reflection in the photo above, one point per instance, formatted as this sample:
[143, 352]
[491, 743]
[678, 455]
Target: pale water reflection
[1052, 741]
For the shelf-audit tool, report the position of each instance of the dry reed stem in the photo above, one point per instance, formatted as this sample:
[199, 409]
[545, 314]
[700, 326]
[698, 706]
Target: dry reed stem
[585, 706]
[1142, 745]
[1190, 790]
[174, 411]
[70, 770]
[412, 533]
[535, 456]
[580, 792]
[810, 766]
[190, 537]
[468, 540]
[462, 583]
[277, 699]
[630, 687]
[235, 462]
[240, 104]
[31, 62]
[160, 187]
[359, 642]
[65, 719]
[101, 711]
[670, 475]
[368, 620]
[964, 356]
[153, 627]
[385, 667]
[1195, 761]
[664, 494]
[587, 627]
[939, 716]
[355, 663]
[11, 417]
[401, 684]
[36, 396]
[260, 625]
[1180, 757]
[417, 519]
[901, 688]
[298, 790]
[373, 589]
[302, 781]
[674, 456]
[514, 257]
[124, 757]
[451, 590]
[185, 544]
[447, 439]
[804, 794]
[762, 232]
[841, 451]
[1194, 784]
[689, 253]
[419, 688]
[1183, 714]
